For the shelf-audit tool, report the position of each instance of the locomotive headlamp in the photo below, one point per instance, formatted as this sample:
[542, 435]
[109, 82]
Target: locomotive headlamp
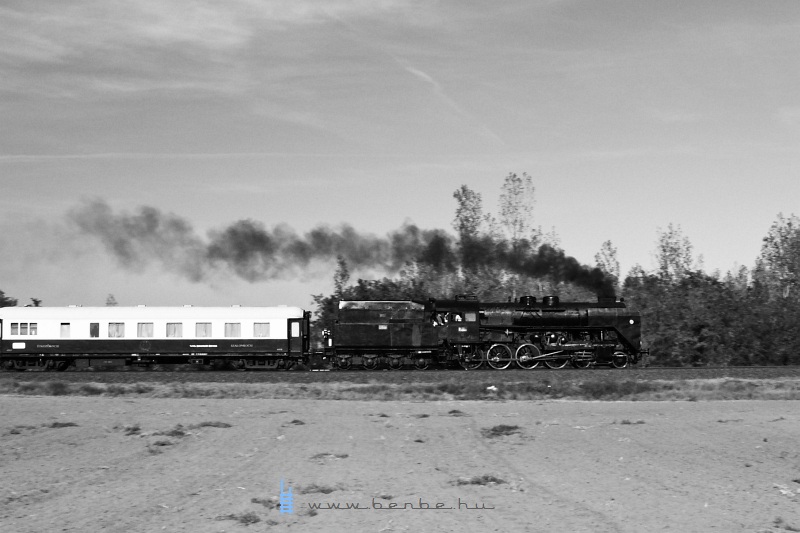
[631, 321]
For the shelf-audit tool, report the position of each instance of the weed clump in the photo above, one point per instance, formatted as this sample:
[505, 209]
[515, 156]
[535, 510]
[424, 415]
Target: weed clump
[62, 425]
[480, 480]
[244, 518]
[314, 488]
[210, 425]
[499, 431]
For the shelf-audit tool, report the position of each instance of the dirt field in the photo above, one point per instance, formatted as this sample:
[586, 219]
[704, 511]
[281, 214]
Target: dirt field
[144, 465]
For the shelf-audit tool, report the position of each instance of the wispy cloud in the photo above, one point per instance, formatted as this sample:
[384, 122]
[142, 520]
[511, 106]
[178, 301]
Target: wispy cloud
[118, 46]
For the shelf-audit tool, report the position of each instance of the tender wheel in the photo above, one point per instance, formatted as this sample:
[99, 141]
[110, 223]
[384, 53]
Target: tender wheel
[619, 360]
[370, 363]
[499, 356]
[343, 363]
[557, 364]
[395, 363]
[526, 356]
[421, 363]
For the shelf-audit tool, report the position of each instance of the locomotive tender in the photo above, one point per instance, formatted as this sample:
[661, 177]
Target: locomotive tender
[470, 333]
[369, 334]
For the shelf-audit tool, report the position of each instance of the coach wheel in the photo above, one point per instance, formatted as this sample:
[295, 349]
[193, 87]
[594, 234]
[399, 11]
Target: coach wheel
[619, 360]
[421, 363]
[527, 356]
[343, 363]
[370, 363]
[395, 363]
[556, 364]
[62, 366]
[499, 356]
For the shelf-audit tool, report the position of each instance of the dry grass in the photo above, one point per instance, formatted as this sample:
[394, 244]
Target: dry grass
[452, 389]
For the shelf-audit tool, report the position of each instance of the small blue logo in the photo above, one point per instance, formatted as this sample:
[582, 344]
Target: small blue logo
[286, 500]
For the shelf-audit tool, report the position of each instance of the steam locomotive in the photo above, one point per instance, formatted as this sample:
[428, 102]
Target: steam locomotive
[467, 333]
[462, 332]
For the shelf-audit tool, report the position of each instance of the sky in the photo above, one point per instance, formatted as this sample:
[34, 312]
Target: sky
[296, 114]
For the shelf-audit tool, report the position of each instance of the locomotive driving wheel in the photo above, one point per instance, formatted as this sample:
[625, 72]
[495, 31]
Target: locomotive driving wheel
[527, 356]
[470, 357]
[583, 360]
[557, 364]
[619, 359]
[499, 356]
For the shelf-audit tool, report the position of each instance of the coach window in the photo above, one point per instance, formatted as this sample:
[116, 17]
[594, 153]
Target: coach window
[295, 329]
[116, 329]
[24, 328]
[233, 329]
[94, 329]
[65, 330]
[203, 329]
[261, 329]
[144, 329]
[174, 329]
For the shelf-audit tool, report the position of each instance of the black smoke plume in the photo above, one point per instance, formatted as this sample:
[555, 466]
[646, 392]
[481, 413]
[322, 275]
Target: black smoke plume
[255, 253]
[249, 249]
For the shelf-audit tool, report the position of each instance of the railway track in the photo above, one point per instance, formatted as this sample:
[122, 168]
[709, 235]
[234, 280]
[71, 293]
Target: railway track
[404, 376]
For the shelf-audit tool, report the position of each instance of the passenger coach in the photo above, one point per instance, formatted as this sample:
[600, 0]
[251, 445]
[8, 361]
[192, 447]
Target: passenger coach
[245, 337]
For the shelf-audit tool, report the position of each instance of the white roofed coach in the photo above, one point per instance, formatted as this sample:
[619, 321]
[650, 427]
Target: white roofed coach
[244, 337]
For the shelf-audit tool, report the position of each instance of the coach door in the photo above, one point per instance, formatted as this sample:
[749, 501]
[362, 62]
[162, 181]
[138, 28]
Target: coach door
[295, 335]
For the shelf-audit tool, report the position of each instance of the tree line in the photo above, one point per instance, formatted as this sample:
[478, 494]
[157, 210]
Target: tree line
[690, 317]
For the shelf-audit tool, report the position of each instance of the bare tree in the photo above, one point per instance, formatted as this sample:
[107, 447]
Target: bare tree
[606, 260]
[673, 254]
[516, 207]
[341, 276]
[780, 253]
[111, 301]
[469, 213]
